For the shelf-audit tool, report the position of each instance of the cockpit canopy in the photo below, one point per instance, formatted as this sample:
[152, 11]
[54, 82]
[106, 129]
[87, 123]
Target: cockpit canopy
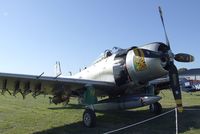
[107, 53]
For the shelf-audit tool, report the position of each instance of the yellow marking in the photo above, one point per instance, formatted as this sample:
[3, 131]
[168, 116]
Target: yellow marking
[142, 53]
[191, 59]
[188, 58]
[139, 60]
[181, 58]
[180, 109]
[136, 51]
[179, 101]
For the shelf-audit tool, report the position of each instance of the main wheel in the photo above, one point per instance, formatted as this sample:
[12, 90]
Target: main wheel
[89, 118]
[155, 108]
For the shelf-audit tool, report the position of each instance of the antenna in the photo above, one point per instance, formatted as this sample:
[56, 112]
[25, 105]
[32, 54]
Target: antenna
[70, 73]
[59, 68]
[58, 71]
[39, 76]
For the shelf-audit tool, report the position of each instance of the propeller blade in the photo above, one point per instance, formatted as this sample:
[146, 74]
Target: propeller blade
[147, 53]
[182, 57]
[174, 83]
[162, 20]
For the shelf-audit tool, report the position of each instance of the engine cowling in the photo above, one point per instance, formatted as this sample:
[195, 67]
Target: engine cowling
[142, 69]
[119, 69]
[138, 69]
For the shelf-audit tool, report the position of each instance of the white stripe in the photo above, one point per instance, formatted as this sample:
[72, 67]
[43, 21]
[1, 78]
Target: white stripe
[116, 130]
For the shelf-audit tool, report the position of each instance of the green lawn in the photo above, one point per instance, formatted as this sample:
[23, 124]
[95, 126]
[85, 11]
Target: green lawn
[18, 116]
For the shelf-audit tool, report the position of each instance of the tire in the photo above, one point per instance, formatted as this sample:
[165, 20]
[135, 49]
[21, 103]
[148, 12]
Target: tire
[89, 118]
[155, 108]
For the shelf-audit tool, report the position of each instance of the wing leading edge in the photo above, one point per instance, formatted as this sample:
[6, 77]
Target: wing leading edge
[49, 85]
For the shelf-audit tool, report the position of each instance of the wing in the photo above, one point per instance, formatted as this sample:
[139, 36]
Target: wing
[50, 85]
[163, 83]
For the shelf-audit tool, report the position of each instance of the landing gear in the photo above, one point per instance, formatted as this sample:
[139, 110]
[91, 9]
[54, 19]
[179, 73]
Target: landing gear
[89, 118]
[155, 108]
[80, 100]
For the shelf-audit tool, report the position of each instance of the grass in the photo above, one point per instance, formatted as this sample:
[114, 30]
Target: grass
[18, 116]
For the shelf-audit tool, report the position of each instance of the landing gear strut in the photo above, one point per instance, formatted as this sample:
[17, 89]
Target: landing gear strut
[155, 108]
[89, 118]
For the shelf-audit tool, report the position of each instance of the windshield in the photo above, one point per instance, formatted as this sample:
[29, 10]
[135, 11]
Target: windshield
[107, 53]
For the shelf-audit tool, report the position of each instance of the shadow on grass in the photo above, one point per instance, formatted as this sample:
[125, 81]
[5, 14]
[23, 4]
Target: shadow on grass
[189, 119]
[197, 94]
[114, 120]
[69, 106]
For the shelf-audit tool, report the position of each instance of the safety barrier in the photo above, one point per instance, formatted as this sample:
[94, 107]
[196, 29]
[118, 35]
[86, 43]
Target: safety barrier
[152, 118]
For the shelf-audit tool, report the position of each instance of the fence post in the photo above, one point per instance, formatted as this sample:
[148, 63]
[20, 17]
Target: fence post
[176, 115]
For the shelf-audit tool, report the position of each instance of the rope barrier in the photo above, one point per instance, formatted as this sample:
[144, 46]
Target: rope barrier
[191, 109]
[135, 124]
[152, 118]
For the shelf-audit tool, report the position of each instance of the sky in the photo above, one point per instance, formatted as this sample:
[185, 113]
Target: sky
[34, 34]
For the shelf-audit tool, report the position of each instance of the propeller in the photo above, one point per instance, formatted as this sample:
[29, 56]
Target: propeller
[162, 20]
[173, 72]
[174, 83]
[180, 57]
[170, 57]
[170, 66]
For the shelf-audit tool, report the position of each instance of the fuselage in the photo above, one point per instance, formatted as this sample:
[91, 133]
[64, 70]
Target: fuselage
[101, 70]
[126, 68]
